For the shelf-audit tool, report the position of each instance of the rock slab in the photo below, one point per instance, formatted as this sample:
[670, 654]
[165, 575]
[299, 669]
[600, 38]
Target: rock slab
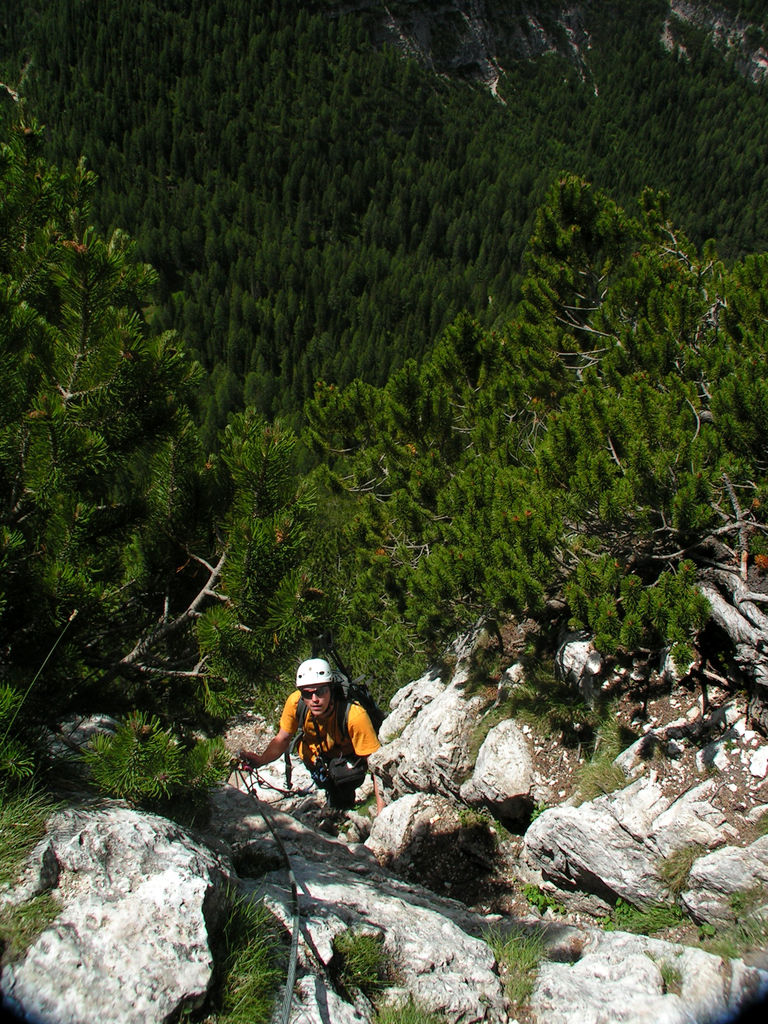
[131, 945]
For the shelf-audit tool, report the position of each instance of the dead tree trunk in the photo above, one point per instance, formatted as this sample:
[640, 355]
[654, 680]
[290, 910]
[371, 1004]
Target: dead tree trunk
[735, 610]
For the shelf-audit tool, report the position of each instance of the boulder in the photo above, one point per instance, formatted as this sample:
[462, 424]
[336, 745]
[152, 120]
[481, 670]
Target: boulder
[578, 661]
[597, 851]
[433, 752]
[401, 828]
[503, 777]
[633, 978]
[408, 702]
[690, 820]
[140, 900]
[612, 847]
[720, 880]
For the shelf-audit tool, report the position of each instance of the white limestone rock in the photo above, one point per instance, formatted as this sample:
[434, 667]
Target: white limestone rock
[613, 847]
[432, 754]
[503, 777]
[408, 702]
[721, 875]
[432, 942]
[139, 900]
[640, 980]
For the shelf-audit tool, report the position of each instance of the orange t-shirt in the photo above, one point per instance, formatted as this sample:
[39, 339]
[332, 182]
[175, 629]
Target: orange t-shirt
[325, 737]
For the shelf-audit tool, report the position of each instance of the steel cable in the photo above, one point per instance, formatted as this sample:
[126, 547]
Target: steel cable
[249, 784]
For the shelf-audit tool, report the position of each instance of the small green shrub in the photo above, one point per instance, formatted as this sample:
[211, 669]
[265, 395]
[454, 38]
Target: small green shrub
[485, 665]
[542, 900]
[518, 955]
[642, 920]
[360, 963]
[16, 760]
[146, 764]
[470, 817]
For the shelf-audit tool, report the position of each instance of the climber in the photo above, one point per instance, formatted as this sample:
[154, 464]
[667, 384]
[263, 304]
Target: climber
[334, 738]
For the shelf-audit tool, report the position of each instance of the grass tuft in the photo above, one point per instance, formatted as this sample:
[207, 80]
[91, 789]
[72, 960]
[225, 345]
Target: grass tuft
[551, 706]
[675, 869]
[600, 775]
[360, 963]
[518, 955]
[643, 920]
[749, 931]
[22, 924]
[408, 1013]
[671, 975]
[23, 816]
[251, 970]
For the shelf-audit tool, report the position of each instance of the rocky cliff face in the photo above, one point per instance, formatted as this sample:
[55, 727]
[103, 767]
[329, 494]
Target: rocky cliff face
[479, 39]
[730, 33]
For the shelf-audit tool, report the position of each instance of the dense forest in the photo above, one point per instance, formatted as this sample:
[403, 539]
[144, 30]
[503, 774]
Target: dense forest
[317, 208]
[584, 449]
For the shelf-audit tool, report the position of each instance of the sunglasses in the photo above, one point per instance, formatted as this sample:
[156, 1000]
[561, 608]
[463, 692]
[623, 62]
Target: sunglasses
[315, 691]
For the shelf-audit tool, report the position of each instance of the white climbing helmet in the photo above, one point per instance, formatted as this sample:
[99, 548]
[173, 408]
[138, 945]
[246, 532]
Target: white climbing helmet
[314, 672]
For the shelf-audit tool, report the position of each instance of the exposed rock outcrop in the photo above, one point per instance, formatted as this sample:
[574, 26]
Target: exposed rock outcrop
[143, 902]
[728, 30]
[503, 778]
[432, 753]
[621, 977]
[140, 900]
[719, 880]
[476, 39]
[435, 945]
[612, 847]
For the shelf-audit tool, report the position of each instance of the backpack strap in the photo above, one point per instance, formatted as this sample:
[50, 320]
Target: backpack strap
[301, 717]
[301, 714]
[342, 719]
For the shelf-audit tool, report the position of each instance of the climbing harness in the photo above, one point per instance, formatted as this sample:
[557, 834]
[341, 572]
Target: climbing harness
[249, 778]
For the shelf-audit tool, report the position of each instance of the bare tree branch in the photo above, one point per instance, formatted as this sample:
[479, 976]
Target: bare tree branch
[169, 626]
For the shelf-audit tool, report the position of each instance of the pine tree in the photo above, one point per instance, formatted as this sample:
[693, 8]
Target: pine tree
[605, 446]
[167, 581]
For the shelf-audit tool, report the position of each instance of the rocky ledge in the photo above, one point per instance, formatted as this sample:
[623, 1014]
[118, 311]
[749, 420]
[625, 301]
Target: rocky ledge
[486, 827]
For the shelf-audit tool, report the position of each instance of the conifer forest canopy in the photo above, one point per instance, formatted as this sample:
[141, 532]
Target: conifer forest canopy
[297, 336]
[317, 208]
